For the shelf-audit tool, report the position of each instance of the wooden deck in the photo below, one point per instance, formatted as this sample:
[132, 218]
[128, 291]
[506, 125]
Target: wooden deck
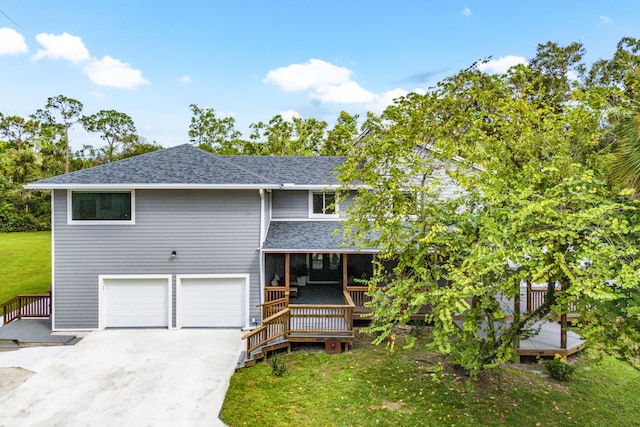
[315, 315]
[547, 341]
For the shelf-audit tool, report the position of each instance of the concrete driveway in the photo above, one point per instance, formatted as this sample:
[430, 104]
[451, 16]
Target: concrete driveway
[130, 377]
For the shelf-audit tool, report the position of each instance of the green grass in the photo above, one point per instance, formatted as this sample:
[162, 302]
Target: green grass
[25, 264]
[371, 386]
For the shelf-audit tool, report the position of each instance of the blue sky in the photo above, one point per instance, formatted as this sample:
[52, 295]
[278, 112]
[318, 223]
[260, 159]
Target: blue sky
[256, 59]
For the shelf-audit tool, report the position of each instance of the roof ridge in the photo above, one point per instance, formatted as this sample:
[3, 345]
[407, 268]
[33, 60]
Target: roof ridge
[221, 158]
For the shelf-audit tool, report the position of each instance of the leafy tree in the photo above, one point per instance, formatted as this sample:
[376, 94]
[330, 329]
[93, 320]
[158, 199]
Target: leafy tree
[212, 133]
[527, 200]
[280, 137]
[19, 132]
[115, 128]
[340, 138]
[620, 75]
[62, 112]
[141, 146]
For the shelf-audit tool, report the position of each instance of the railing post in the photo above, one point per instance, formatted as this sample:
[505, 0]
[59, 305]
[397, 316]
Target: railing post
[528, 297]
[345, 269]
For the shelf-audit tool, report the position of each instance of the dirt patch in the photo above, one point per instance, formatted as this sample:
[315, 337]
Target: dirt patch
[393, 406]
[10, 378]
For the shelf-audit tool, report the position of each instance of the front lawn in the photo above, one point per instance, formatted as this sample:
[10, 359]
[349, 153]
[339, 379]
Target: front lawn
[372, 386]
[25, 264]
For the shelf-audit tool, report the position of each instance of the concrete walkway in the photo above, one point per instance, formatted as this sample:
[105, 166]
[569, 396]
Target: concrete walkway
[130, 377]
[33, 359]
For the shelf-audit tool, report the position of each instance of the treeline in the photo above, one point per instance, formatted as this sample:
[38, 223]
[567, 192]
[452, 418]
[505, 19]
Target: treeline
[38, 147]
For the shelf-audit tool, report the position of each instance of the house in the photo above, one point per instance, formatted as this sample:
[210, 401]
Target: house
[184, 238]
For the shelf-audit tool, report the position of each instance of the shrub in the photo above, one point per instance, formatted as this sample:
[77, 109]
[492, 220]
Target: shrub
[278, 368]
[559, 369]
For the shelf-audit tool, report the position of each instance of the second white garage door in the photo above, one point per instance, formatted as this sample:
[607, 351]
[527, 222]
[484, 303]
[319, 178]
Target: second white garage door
[211, 301]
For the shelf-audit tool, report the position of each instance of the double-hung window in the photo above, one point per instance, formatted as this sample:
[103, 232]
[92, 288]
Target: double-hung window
[101, 207]
[322, 204]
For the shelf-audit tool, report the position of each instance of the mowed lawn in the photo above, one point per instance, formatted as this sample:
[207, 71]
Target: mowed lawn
[371, 386]
[25, 264]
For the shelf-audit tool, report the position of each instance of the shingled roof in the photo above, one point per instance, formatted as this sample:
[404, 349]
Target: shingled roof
[188, 166]
[306, 236]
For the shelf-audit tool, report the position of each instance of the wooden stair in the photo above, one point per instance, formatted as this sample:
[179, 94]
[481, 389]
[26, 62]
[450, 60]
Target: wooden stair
[261, 352]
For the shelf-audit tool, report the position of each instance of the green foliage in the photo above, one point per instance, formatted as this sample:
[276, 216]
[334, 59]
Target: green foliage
[278, 367]
[62, 113]
[115, 128]
[212, 133]
[527, 198]
[371, 386]
[280, 137]
[559, 369]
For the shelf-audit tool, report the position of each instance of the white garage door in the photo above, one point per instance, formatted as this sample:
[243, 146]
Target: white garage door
[136, 302]
[211, 301]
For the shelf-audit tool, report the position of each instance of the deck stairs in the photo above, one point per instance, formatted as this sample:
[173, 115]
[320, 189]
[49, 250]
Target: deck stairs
[261, 352]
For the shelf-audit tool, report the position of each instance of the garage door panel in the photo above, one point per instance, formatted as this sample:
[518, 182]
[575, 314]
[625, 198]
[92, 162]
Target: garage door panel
[139, 303]
[212, 302]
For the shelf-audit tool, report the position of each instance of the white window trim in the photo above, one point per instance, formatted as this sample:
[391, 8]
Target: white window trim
[102, 308]
[71, 221]
[246, 290]
[322, 215]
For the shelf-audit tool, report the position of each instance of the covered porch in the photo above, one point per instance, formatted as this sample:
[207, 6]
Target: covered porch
[312, 293]
[318, 278]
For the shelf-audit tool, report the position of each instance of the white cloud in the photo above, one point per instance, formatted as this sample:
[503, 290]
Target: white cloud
[11, 42]
[466, 11]
[501, 65]
[311, 74]
[114, 73]
[64, 46]
[346, 93]
[289, 114]
[385, 99]
[107, 71]
[185, 80]
[604, 20]
[328, 83]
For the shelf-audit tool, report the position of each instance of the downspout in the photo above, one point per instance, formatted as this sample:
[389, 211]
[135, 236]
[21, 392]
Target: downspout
[53, 262]
[262, 222]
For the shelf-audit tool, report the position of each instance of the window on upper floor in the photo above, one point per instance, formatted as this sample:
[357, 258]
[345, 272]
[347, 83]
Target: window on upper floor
[101, 206]
[322, 204]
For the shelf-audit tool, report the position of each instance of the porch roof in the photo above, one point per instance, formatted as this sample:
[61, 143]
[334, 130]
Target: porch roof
[307, 236]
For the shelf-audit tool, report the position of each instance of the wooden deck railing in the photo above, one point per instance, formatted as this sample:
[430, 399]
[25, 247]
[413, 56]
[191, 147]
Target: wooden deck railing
[272, 307]
[359, 296]
[27, 306]
[301, 319]
[272, 293]
[323, 319]
[272, 328]
[536, 297]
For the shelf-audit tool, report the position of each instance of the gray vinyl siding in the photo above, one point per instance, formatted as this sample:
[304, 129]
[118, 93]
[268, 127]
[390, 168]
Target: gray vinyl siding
[294, 204]
[290, 204]
[212, 231]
